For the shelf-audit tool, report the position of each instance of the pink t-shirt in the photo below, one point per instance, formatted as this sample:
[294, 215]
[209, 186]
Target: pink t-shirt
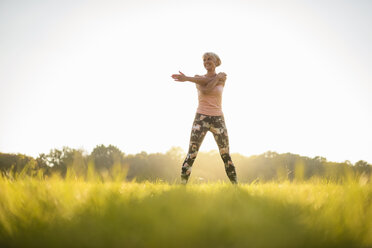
[210, 103]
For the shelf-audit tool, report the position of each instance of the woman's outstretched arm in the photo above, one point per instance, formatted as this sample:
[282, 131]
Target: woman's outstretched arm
[197, 79]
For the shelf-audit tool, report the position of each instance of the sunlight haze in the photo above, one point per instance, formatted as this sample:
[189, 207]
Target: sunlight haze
[84, 73]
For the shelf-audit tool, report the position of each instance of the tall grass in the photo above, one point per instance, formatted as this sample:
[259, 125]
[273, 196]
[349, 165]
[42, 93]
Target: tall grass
[97, 212]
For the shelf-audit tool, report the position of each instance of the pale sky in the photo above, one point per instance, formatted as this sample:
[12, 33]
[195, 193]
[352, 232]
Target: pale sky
[84, 73]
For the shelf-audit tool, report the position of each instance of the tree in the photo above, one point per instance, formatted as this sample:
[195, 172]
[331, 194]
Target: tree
[60, 160]
[362, 164]
[16, 163]
[105, 157]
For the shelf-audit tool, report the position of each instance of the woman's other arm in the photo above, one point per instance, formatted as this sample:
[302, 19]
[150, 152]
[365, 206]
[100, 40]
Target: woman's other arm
[219, 79]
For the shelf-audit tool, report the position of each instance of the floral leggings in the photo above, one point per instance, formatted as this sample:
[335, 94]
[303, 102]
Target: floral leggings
[202, 124]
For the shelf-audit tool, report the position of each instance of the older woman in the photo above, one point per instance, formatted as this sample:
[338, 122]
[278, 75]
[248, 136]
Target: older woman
[209, 116]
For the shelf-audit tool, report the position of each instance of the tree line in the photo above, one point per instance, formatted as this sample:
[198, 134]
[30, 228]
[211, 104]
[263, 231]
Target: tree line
[109, 162]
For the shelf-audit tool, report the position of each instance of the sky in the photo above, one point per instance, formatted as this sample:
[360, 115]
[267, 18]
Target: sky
[85, 73]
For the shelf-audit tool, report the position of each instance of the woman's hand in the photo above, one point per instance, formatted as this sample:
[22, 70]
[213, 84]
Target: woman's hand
[179, 77]
[222, 76]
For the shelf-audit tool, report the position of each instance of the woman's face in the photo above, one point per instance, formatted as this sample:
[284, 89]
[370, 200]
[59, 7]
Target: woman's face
[209, 62]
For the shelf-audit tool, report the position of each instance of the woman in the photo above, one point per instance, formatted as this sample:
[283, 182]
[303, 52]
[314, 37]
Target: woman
[209, 116]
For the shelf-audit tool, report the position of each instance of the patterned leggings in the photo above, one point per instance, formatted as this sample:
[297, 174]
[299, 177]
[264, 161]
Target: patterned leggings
[202, 124]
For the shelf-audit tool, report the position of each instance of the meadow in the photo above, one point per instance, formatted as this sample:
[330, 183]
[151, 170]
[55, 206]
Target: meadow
[71, 212]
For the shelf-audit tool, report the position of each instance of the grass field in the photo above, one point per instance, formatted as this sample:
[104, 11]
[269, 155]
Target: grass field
[78, 213]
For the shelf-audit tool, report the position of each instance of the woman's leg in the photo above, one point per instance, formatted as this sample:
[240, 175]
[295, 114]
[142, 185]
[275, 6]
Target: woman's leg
[199, 129]
[218, 128]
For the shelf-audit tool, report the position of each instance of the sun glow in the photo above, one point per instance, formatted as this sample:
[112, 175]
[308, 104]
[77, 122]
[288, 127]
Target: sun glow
[83, 74]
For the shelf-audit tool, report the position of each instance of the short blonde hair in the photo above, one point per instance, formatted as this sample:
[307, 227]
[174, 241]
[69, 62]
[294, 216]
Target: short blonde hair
[218, 60]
